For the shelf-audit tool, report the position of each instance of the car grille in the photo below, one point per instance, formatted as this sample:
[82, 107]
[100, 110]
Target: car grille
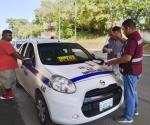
[92, 99]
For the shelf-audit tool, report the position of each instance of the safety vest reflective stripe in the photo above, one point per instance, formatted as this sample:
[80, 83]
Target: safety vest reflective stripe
[140, 58]
[137, 59]
[140, 42]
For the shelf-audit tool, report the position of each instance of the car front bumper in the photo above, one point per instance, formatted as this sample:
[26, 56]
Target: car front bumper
[84, 105]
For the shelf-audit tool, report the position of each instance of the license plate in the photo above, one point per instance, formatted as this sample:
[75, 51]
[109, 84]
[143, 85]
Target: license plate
[105, 104]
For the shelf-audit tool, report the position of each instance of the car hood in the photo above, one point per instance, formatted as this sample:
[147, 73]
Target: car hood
[77, 70]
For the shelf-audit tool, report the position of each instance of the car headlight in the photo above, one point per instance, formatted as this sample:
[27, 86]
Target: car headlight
[62, 84]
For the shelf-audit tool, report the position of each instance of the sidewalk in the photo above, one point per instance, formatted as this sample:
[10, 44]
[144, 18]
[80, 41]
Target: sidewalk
[9, 114]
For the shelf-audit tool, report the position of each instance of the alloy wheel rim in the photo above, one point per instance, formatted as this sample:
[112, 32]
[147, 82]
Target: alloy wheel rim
[41, 110]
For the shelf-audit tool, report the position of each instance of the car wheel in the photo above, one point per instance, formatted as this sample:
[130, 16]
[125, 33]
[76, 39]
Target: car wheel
[42, 109]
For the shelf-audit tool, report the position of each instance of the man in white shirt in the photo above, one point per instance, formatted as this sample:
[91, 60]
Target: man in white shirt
[113, 47]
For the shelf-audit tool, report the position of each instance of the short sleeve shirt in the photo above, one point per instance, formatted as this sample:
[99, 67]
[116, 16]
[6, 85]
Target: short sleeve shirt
[7, 60]
[116, 47]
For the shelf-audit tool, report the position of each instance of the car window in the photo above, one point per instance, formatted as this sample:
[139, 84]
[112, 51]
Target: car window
[18, 45]
[62, 53]
[79, 53]
[22, 49]
[30, 53]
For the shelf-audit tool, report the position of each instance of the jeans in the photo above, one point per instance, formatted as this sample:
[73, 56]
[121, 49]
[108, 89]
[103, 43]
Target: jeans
[130, 95]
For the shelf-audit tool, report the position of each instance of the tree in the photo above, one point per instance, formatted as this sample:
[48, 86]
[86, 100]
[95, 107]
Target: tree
[137, 10]
[23, 29]
[15, 25]
[93, 16]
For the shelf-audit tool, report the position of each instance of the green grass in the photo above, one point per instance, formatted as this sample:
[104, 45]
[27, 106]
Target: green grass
[89, 41]
[92, 43]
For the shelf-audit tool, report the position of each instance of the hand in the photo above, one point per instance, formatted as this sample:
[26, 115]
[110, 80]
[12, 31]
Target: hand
[108, 63]
[109, 51]
[113, 54]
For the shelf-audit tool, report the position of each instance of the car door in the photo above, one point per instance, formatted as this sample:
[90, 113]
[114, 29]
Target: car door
[30, 77]
[20, 72]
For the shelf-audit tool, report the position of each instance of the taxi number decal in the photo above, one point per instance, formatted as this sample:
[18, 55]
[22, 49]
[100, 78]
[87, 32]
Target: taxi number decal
[68, 58]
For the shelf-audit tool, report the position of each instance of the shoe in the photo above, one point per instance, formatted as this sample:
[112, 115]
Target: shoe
[8, 95]
[136, 114]
[3, 97]
[125, 120]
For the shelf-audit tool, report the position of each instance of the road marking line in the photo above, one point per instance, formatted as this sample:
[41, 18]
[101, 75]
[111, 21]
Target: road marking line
[147, 55]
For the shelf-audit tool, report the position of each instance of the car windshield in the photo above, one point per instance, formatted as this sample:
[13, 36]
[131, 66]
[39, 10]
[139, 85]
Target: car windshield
[62, 53]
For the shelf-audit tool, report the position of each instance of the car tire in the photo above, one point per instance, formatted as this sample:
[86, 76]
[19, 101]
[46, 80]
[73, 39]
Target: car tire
[42, 110]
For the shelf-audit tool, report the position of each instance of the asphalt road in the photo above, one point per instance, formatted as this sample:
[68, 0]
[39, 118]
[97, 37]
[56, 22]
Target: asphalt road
[9, 113]
[27, 108]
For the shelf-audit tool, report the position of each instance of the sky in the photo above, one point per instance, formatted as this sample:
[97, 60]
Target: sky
[17, 9]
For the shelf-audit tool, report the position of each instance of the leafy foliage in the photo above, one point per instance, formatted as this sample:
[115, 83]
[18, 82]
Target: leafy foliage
[89, 16]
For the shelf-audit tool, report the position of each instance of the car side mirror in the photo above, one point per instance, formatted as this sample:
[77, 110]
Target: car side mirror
[27, 61]
[101, 61]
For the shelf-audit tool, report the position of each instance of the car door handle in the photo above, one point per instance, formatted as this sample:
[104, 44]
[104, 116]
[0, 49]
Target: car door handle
[21, 67]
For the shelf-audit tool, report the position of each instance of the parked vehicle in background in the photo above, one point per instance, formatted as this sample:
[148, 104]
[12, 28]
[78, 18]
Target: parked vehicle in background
[68, 84]
[17, 44]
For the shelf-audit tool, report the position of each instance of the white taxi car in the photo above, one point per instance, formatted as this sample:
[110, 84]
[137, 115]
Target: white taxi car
[68, 85]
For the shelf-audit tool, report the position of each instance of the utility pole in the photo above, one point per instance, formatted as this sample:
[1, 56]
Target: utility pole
[110, 12]
[59, 21]
[75, 17]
